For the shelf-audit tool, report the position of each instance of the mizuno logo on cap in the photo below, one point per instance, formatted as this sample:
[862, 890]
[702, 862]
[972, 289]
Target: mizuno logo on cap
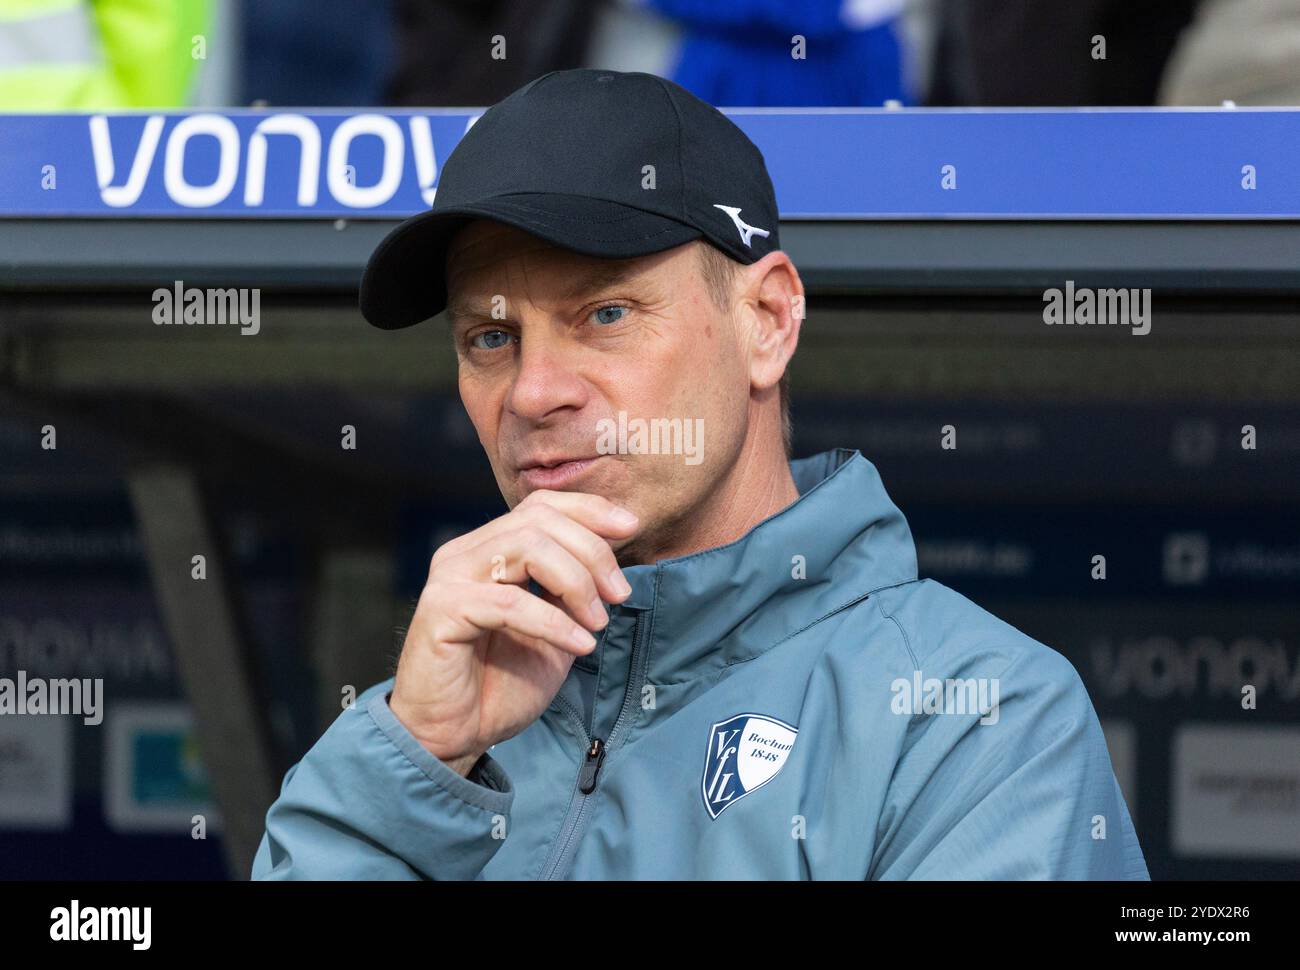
[746, 230]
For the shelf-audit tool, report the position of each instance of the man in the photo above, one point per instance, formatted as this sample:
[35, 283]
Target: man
[678, 655]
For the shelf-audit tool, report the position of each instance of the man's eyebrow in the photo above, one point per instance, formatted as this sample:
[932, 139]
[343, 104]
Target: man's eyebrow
[461, 309]
[598, 278]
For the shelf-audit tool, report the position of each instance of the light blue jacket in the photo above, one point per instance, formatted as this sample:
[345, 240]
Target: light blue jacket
[794, 705]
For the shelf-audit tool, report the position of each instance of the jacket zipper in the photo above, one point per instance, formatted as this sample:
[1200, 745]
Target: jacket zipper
[593, 757]
[591, 766]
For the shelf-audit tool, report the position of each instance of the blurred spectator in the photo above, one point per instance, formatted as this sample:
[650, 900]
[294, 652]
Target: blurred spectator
[305, 53]
[740, 53]
[87, 55]
[628, 35]
[445, 48]
[1245, 51]
[1040, 52]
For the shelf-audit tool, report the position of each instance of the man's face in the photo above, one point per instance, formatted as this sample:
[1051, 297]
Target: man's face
[553, 346]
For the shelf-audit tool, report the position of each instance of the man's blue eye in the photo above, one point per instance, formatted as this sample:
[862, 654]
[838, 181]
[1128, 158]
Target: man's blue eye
[492, 343]
[600, 314]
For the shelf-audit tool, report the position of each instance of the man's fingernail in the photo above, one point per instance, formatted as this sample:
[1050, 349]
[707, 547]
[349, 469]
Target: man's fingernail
[622, 516]
[619, 582]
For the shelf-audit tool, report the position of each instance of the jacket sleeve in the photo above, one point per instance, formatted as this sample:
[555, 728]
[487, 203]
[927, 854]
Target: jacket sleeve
[368, 801]
[1028, 794]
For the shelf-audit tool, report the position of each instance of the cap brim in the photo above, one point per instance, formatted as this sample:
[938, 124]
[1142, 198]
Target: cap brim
[405, 279]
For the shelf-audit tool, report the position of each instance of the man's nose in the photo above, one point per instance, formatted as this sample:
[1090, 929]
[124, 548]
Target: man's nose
[546, 380]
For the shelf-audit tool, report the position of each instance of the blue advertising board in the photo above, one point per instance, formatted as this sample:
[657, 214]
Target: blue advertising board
[1119, 163]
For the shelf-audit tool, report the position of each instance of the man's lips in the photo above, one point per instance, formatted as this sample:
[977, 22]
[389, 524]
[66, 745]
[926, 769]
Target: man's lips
[556, 471]
[550, 461]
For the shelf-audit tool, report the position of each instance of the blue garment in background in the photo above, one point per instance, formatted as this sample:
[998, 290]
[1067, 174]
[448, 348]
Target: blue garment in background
[737, 53]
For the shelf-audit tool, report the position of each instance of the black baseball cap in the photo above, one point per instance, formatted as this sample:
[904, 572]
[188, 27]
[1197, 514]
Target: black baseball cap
[605, 163]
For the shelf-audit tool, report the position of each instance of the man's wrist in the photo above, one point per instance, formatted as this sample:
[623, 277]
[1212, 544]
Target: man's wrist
[461, 764]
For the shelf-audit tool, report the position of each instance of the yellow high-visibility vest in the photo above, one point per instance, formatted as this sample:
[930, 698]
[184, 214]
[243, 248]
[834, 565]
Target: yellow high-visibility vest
[88, 55]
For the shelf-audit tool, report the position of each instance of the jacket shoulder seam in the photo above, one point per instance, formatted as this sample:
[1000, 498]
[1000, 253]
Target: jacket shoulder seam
[825, 616]
[907, 641]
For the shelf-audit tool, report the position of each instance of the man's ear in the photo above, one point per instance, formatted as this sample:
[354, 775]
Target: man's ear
[771, 305]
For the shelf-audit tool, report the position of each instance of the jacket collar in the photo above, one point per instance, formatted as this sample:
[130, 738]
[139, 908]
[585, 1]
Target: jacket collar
[731, 603]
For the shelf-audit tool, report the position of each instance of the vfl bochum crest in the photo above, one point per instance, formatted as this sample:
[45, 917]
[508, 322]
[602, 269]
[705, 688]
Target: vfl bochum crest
[745, 752]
